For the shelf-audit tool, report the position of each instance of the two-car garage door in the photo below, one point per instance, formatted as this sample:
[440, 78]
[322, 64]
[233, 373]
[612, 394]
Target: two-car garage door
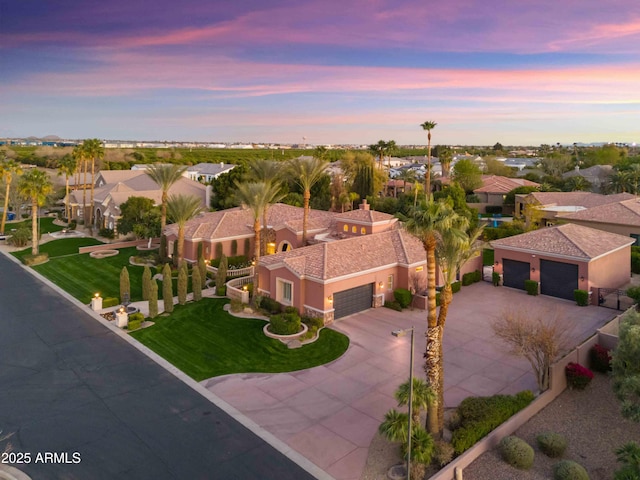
[352, 301]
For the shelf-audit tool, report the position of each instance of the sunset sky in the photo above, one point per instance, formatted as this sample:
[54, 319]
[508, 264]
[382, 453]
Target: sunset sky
[519, 72]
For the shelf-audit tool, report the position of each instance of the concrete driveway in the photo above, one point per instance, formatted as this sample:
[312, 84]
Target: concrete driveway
[330, 413]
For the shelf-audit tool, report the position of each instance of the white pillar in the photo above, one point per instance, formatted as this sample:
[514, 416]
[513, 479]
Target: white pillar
[122, 318]
[96, 303]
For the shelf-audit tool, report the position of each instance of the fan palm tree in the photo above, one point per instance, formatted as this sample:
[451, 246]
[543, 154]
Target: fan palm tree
[67, 167]
[165, 176]
[93, 150]
[270, 172]
[378, 150]
[257, 196]
[444, 155]
[8, 168]
[80, 155]
[426, 222]
[423, 396]
[181, 209]
[306, 172]
[35, 185]
[428, 126]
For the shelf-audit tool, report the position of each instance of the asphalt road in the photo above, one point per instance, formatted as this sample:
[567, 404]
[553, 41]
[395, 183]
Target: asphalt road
[69, 386]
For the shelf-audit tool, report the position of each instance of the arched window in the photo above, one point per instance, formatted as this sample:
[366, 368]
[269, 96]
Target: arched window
[354, 229]
[345, 227]
[363, 231]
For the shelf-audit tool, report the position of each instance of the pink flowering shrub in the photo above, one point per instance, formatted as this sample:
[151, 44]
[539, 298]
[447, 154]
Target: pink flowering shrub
[578, 377]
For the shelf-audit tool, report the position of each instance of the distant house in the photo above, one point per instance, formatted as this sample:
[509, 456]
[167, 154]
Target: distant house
[206, 172]
[597, 176]
[494, 188]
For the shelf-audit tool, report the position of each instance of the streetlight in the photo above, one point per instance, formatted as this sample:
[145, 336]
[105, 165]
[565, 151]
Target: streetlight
[402, 333]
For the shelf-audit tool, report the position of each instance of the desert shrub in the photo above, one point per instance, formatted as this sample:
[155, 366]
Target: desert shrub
[599, 359]
[291, 309]
[552, 444]
[634, 293]
[35, 259]
[531, 286]
[442, 452]
[284, 324]
[629, 456]
[107, 233]
[480, 415]
[581, 297]
[516, 452]
[393, 305]
[569, 470]
[455, 287]
[403, 297]
[270, 305]
[578, 377]
[626, 365]
[495, 279]
[236, 305]
[468, 279]
[20, 237]
[110, 302]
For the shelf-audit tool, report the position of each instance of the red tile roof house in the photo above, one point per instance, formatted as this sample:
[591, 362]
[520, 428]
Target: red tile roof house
[564, 258]
[495, 188]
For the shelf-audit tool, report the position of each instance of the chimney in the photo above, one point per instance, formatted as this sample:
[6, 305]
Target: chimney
[364, 205]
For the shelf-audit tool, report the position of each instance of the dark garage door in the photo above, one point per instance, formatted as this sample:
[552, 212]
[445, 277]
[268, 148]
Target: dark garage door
[352, 300]
[558, 279]
[515, 273]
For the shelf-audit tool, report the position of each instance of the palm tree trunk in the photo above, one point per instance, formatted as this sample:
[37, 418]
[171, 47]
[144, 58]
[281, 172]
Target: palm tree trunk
[180, 244]
[432, 364]
[428, 175]
[163, 212]
[84, 193]
[305, 216]
[6, 205]
[263, 238]
[256, 253]
[446, 295]
[34, 227]
[93, 165]
[66, 205]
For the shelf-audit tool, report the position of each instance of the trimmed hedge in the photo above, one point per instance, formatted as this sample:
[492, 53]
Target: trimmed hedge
[569, 470]
[531, 286]
[480, 415]
[552, 444]
[393, 306]
[495, 279]
[110, 302]
[516, 452]
[455, 287]
[403, 297]
[471, 277]
[29, 260]
[270, 305]
[581, 297]
[285, 324]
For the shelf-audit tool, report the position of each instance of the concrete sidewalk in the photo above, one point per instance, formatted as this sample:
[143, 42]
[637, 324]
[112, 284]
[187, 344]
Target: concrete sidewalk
[330, 413]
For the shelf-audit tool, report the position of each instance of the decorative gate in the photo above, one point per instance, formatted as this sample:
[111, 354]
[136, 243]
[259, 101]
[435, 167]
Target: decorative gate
[614, 298]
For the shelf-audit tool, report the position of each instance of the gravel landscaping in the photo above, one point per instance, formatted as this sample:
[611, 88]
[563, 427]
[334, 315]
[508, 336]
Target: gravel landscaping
[589, 419]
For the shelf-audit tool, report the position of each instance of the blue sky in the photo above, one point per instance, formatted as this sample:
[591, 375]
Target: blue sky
[525, 72]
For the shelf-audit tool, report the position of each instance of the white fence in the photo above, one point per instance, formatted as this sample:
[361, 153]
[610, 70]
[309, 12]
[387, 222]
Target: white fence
[235, 288]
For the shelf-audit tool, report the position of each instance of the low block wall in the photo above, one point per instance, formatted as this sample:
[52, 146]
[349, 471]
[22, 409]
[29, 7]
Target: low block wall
[112, 246]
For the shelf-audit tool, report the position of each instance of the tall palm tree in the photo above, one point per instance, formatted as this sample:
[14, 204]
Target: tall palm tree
[444, 155]
[165, 176]
[257, 196]
[8, 168]
[95, 151]
[428, 126]
[267, 171]
[181, 209]
[67, 166]
[455, 247]
[80, 155]
[306, 172]
[426, 222]
[35, 185]
[379, 149]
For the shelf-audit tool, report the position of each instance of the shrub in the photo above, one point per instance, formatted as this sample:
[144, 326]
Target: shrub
[477, 276]
[569, 470]
[438, 301]
[183, 283]
[247, 246]
[146, 283]
[442, 452]
[221, 291]
[110, 302]
[153, 299]
[480, 415]
[635, 262]
[218, 250]
[236, 305]
[20, 237]
[552, 444]
[393, 305]
[403, 297]
[270, 305]
[581, 297]
[167, 288]
[455, 287]
[196, 283]
[234, 248]
[495, 279]
[313, 322]
[516, 452]
[629, 456]
[284, 324]
[125, 285]
[599, 359]
[531, 286]
[107, 233]
[35, 259]
[468, 279]
[135, 320]
[72, 225]
[578, 377]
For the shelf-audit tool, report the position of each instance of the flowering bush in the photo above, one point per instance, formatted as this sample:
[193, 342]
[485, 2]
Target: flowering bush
[599, 359]
[578, 377]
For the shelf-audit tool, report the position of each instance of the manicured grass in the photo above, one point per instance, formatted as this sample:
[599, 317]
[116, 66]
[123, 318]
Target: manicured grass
[204, 341]
[487, 256]
[46, 225]
[59, 248]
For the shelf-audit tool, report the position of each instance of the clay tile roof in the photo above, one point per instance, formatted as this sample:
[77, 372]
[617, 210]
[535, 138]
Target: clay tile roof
[566, 240]
[367, 216]
[581, 199]
[498, 184]
[626, 212]
[336, 259]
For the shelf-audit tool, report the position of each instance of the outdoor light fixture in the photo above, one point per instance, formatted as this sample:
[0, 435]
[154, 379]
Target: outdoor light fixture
[496, 263]
[97, 295]
[402, 333]
[244, 287]
[330, 298]
[582, 279]
[381, 284]
[121, 309]
[533, 269]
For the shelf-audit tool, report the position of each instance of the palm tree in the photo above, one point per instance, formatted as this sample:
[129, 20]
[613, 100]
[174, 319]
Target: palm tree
[423, 395]
[455, 247]
[67, 166]
[94, 150]
[80, 155]
[35, 185]
[181, 209]
[426, 222]
[269, 172]
[444, 155]
[165, 176]
[8, 168]
[379, 149]
[306, 172]
[406, 176]
[257, 196]
[428, 126]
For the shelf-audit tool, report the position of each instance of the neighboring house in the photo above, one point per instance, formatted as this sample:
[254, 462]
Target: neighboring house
[556, 204]
[206, 172]
[564, 258]
[494, 188]
[598, 176]
[621, 217]
[114, 187]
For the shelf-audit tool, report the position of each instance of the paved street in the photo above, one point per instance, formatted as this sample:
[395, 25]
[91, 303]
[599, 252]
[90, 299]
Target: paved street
[69, 384]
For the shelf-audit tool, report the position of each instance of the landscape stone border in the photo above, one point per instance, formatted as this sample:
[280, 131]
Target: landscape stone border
[104, 253]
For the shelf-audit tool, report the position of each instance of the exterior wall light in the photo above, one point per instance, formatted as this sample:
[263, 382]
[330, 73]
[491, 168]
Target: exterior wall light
[330, 299]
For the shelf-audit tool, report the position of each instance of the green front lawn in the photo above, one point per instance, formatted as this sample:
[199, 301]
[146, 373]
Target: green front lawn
[46, 225]
[204, 341]
[62, 247]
